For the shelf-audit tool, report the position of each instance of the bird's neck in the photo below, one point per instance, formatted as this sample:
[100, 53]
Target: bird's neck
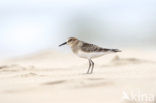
[75, 46]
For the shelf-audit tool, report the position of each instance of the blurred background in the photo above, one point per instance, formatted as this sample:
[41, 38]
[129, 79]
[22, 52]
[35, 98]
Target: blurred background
[27, 26]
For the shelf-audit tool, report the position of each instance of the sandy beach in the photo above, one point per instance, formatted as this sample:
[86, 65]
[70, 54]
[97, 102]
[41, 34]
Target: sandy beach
[50, 76]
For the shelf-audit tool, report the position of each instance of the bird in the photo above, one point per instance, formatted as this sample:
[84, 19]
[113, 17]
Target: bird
[87, 51]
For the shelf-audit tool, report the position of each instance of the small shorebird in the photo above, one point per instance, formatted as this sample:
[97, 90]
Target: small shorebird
[87, 51]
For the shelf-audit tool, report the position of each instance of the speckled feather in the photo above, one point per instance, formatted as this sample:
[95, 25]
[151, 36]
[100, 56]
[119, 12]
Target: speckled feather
[86, 47]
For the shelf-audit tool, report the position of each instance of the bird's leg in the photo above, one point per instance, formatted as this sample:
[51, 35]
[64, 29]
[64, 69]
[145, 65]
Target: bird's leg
[89, 66]
[92, 66]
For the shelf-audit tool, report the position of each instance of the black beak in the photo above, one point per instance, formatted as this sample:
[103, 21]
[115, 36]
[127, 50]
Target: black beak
[63, 44]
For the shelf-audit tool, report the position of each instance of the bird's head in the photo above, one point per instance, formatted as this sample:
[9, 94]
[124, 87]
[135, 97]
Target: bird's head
[71, 41]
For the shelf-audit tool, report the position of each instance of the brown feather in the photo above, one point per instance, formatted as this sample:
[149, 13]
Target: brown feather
[86, 47]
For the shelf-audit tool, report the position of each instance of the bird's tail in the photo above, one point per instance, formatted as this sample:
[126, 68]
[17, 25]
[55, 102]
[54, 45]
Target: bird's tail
[115, 50]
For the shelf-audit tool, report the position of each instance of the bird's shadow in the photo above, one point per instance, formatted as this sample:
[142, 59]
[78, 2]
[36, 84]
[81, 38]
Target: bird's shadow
[118, 61]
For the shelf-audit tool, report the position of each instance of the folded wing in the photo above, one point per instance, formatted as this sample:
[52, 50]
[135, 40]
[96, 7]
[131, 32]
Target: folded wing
[86, 47]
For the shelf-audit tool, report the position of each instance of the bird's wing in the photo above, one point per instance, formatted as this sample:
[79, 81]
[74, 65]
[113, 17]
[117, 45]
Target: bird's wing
[86, 47]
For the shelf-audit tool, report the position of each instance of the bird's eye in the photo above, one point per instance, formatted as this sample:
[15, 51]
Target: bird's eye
[70, 40]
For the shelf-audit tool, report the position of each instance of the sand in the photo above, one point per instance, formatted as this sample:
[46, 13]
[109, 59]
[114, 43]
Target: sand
[50, 76]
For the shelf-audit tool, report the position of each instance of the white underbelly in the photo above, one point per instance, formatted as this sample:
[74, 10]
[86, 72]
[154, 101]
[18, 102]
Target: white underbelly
[89, 55]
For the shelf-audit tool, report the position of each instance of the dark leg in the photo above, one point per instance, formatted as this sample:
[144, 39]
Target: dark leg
[89, 66]
[92, 67]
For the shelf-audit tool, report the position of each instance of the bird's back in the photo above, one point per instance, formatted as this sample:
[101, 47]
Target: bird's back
[87, 47]
[87, 50]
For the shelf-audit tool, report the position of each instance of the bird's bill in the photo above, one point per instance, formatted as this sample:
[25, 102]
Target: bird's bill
[63, 44]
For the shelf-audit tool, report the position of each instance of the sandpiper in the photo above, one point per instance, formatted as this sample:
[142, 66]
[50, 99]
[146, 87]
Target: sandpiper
[87, 51]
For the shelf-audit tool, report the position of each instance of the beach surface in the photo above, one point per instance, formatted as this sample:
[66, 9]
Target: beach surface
[50, 76]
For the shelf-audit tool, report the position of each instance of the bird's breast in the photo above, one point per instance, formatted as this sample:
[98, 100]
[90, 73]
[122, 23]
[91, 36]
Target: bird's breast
[88, 55]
